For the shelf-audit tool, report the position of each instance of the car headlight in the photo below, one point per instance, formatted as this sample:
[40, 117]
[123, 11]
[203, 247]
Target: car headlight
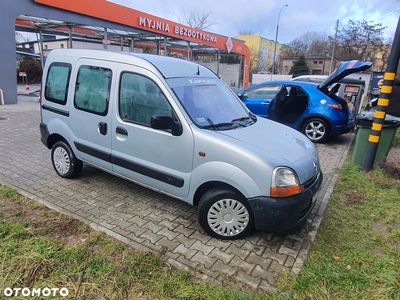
[285, 183]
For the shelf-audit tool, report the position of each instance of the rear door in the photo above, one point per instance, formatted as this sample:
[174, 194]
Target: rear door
[90, 117]
[153, 157]
[276, 103]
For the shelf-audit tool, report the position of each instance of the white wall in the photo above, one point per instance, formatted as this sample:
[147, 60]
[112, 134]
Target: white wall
[258, 78]
[228, 72]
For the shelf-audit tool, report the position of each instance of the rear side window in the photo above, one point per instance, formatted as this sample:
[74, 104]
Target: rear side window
[57, 82]
[92, 89]
[140, 98]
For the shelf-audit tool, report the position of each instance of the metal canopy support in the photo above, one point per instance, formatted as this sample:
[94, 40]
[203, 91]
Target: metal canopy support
[105, 40]
[41, 47]
[218, 59]
[69, 37]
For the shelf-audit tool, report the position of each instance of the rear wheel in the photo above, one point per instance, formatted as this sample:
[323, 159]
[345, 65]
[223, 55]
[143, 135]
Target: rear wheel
[64, 160]
[225, 214]
[316, 130]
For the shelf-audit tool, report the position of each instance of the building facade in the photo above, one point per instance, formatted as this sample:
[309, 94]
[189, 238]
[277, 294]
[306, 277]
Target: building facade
[261, 52]
[318, 65]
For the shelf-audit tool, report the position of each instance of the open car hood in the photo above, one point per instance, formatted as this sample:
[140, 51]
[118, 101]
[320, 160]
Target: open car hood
[345, 68]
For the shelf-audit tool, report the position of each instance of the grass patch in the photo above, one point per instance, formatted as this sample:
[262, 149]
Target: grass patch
[396, 139]
[357, 251]
[9, 194]
[17, 213]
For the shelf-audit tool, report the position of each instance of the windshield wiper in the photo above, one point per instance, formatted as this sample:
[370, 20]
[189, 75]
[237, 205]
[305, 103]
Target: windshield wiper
[252, 118]
[218, 125]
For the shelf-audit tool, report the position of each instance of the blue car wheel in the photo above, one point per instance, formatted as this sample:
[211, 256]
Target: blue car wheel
[316, 130]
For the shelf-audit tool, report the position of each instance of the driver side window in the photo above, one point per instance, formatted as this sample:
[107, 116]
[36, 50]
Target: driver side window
[140, 98]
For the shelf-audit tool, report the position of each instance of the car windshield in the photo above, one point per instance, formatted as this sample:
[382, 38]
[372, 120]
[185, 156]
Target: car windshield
[210, 103]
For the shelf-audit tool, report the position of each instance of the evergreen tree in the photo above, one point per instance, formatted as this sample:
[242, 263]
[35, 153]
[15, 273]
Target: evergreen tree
[300, 67]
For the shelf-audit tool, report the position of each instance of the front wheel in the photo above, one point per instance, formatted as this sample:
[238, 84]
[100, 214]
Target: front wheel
[316, 130]
[64, 160]
[225, 214]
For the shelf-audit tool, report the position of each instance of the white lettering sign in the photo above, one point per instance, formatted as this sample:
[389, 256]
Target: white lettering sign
[195, 34]
[153, 24]
[165, 27]
[27, 292]
[202, 81]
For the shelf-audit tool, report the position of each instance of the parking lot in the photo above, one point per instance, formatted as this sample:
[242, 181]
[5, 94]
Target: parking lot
[150, 221]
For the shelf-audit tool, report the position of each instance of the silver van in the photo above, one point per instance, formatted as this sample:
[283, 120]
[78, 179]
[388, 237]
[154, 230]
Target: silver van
[175, 127]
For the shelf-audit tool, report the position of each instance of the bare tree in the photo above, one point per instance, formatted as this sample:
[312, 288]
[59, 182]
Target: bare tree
[20, 38]
[383, 53]
[310, 43]
[197, 19]
[254, 60]
[246, 32]
[360, 40]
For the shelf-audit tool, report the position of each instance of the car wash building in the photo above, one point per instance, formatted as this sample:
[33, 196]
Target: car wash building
[110, 26]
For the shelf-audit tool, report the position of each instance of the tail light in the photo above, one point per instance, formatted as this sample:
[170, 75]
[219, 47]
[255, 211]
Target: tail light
[337, 106]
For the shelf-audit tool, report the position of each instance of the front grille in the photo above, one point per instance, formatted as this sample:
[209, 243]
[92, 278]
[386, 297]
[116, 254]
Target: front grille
[312, 180]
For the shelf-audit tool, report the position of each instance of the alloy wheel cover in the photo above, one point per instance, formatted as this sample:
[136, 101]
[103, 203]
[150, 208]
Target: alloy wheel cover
[315, 130]
[61, 160]
[228, 217]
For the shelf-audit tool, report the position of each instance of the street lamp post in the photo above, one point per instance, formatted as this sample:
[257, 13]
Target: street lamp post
[276, 39]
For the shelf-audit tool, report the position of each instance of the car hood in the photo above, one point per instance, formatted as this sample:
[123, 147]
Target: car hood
[280, 145]
[345, 68]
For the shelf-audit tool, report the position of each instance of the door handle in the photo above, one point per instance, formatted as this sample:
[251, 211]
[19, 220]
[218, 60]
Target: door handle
[102, 128]
[265, 103]
[121, 130]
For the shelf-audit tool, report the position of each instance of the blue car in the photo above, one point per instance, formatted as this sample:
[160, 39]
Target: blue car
[312, 108]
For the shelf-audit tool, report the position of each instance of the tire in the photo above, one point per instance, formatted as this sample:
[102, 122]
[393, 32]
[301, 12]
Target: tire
[225, 214]
[316, 130]
[64, 160]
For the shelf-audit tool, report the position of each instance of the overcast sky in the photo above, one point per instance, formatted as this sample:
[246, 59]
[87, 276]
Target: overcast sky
[261, 16]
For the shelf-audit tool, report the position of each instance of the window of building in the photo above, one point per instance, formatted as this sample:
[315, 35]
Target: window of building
[62, 45]
[92, 89]
[57, 82]
[140, 98]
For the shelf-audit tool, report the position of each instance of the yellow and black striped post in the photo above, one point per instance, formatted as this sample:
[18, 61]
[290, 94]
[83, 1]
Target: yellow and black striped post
[383, 102]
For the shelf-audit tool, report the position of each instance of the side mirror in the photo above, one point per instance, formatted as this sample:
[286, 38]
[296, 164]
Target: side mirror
[165, 122]
[242, 95]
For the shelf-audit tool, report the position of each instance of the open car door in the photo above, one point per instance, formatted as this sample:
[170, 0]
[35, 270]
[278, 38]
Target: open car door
[276, 103]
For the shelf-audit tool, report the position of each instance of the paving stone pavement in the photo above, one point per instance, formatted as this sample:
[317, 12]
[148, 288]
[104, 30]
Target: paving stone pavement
[150, 221]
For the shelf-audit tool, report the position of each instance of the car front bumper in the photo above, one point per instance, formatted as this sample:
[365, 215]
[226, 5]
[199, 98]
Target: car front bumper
[279, 214]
